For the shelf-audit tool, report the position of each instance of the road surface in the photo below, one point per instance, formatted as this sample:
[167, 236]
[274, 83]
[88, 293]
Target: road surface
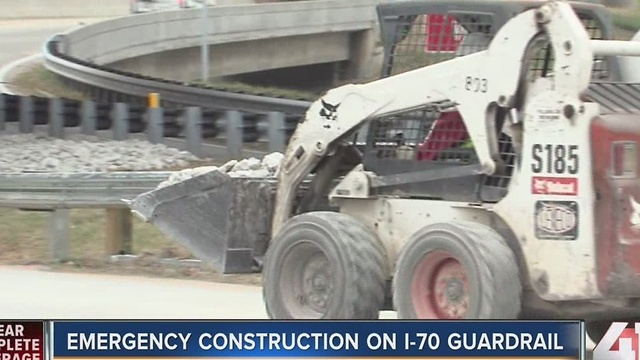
[32, 293]
[40, 294]
[21, 39]
[36, 294]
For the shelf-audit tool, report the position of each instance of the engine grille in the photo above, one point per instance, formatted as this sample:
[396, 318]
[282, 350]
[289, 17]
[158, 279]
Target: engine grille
[615, 98]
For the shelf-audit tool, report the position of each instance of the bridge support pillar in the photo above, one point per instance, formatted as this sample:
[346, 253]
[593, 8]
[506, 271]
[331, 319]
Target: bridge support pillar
[361, 55]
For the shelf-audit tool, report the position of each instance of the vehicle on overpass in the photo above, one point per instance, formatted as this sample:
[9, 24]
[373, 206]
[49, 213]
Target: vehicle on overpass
[145, 6]
[495, 179]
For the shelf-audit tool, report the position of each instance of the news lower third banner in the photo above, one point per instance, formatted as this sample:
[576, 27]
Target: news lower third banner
[290, 339]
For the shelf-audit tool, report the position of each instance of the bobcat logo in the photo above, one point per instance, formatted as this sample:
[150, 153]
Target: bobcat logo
[329, 112]
[635, 216]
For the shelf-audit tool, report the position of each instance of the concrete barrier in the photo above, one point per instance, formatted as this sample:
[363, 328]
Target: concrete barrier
[34, 9]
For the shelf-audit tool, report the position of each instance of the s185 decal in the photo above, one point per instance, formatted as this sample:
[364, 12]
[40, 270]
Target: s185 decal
[555, 159]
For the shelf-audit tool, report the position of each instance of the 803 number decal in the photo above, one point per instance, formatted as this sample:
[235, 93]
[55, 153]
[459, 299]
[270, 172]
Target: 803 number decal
[475, 84]
[555, 159]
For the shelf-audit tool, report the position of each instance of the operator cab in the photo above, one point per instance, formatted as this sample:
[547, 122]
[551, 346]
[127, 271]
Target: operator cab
[421, 33]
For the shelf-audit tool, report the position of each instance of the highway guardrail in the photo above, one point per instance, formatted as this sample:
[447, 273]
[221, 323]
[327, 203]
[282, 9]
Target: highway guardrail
[189, 128]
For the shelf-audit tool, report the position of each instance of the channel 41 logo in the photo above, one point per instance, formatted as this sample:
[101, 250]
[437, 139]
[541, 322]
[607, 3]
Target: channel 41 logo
[619, 343]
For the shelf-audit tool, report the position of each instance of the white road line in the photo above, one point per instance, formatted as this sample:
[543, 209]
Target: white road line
[6, 70]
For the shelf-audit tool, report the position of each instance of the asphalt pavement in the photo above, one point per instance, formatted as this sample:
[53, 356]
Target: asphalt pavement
[39, 294]
[20, 39]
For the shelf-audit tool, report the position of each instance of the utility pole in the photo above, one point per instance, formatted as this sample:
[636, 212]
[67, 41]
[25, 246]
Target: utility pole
[204, 51]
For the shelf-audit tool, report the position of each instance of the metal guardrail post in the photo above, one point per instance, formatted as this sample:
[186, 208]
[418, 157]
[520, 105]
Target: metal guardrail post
[59, 234]
[26, 115]
[193, 130]
[3, 112]
[155, 119]
[276, 131]
[234, 133]
[56, 122]
[119, 232]
[88, 117]
[120, 121]
[154, 100]
[155, 125]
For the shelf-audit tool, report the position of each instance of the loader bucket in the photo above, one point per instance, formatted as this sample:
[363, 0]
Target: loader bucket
[224, 221]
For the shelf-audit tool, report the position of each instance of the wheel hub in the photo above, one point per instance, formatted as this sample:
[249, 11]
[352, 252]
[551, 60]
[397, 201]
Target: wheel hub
[451, 298]
[440, 288]
[317, 285]
[455, 290]
[307, 285]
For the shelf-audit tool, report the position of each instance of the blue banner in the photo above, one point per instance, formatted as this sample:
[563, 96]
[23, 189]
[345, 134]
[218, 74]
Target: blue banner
[301, 339]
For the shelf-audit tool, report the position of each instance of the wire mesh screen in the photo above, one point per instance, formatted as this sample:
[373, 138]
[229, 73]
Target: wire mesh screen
[501, 178]
[426, 135]
[423, 40]
[600, 69]
[431, 138]
[541, 60]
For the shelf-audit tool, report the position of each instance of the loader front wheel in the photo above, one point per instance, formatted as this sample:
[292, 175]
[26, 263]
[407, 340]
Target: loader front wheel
[458, 270]
[324, 265]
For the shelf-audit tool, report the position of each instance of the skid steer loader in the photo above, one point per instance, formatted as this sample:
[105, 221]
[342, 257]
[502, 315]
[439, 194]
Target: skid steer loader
[539, 218]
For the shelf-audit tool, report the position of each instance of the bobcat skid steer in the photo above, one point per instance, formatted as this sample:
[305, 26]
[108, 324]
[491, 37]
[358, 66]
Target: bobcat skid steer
[537, 219]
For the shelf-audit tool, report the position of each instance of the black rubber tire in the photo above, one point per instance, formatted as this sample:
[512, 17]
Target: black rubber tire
[352, 251]
[596, 329]
[495, 290]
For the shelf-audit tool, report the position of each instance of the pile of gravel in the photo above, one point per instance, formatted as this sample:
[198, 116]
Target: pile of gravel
[82, 153]
[250, 168]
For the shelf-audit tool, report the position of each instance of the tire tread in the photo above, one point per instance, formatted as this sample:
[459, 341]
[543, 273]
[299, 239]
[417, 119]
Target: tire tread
[498, 271]
[502, 294]
[362, 251]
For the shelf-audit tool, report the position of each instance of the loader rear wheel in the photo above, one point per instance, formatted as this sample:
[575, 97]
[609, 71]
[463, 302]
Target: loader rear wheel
[597, 329]
[324, 265]
[459, 270]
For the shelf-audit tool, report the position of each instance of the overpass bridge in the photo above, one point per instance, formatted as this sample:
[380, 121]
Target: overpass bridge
[333, 40]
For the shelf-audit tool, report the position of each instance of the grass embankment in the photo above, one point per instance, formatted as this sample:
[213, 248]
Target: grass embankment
[23, 241]
[243, 88]
[38, 81]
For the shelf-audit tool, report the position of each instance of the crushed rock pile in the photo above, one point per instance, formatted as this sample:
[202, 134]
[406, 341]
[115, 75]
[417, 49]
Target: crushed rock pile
[250, 168]
[83, 153]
